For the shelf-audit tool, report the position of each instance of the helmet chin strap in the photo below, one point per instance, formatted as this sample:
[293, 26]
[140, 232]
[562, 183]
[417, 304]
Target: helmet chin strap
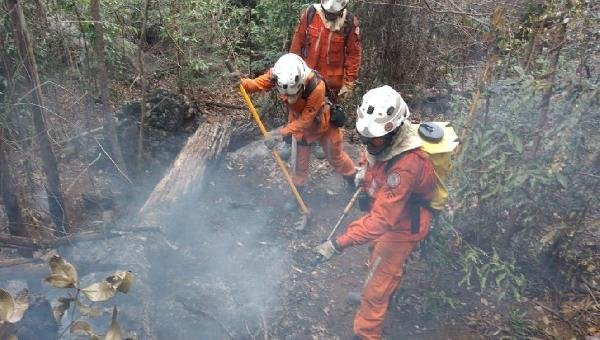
[332, 16]
[388, 140]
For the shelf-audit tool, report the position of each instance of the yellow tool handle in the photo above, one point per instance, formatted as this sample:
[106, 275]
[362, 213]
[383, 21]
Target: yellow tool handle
[345, 212]
[278, 159]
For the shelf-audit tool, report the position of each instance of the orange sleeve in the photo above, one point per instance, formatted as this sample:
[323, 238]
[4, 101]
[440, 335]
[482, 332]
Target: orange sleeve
[260, 83]
[299, 36]
[314, 105]
[386, 210]
[353, 54]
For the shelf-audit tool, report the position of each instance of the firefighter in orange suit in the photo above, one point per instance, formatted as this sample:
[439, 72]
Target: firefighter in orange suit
[308, 120]
[399, 180]
[328, 39]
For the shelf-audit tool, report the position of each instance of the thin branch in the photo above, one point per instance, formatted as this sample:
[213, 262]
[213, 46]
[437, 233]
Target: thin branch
[83, 172]
[470, 15]
[113, 162]
[588, 174]
[388, 4]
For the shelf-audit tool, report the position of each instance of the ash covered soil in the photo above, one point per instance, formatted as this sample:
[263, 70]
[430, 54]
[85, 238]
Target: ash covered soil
[286, 294]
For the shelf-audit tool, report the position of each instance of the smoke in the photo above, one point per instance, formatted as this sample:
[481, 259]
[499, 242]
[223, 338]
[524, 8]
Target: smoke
[229, 261]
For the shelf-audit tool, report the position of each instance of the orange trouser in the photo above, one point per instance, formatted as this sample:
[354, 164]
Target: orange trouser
[332, 142]
[386, 267]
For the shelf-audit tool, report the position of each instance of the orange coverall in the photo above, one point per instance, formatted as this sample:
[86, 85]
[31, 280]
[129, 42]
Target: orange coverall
[308, 121]
[326, 52]
[388, 225]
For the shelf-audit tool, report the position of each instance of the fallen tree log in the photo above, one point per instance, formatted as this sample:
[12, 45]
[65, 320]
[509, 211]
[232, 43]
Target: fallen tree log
[20, 242]
[185, 175]
[143, 250]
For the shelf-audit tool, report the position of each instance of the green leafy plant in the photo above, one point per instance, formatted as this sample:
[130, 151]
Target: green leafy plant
[491, 271]
[519, 326]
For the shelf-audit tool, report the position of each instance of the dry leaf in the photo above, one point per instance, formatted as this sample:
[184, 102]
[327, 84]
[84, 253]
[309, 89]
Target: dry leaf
[88, 310]
[60, 281]
[12, 337]
[60, 309]
[21, 303]
[99, 291]
[82, 326]
[7, 305]
[59, 266]
[114, 332]
[122, 281]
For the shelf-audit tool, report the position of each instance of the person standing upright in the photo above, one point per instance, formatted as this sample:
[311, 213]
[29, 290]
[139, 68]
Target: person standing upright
[328, 39]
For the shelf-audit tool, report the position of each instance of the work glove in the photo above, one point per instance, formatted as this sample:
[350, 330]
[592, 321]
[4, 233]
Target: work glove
[346, 91]
[234, 77]
[359, 176]
[273, 138]
[326, 250]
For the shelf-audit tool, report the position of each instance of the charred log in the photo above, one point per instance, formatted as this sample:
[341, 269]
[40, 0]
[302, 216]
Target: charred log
[185, 175]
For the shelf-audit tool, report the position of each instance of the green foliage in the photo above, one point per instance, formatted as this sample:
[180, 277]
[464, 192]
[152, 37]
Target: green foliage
[253, 34]
[519, 326]
[445, 248]
[503, 186]
[491, 271]
[437, 302]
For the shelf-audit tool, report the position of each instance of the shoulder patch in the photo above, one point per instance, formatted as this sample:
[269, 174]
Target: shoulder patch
[393, 180]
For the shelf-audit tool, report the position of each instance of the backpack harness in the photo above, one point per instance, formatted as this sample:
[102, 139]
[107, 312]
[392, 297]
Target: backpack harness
[310, 14]
[439, 140]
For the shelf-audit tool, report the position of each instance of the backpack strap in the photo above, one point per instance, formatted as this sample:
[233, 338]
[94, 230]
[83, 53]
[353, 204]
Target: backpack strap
[310, 15]
[415, 202]
[312, 85]
[348, 26]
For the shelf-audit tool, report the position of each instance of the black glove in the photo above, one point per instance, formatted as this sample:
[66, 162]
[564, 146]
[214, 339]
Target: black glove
[364, 201]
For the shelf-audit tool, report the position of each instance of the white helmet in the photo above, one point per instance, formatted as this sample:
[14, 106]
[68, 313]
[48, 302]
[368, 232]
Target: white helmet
[289, 74]
[382, 111]
[334, 6]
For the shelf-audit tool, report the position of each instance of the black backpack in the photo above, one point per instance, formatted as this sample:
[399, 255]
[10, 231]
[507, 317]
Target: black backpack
[346, 29]
[337, 116]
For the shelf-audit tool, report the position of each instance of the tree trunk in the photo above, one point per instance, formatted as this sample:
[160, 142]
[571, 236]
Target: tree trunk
[185, 175]
[50, 166]
[110, 130]
[497, 21]
[7, 188]
[559, 37]
[144, 87]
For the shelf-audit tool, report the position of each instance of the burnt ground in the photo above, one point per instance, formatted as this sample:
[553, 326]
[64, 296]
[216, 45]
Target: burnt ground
[241, 268]
[312, 301]
[237, 268]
